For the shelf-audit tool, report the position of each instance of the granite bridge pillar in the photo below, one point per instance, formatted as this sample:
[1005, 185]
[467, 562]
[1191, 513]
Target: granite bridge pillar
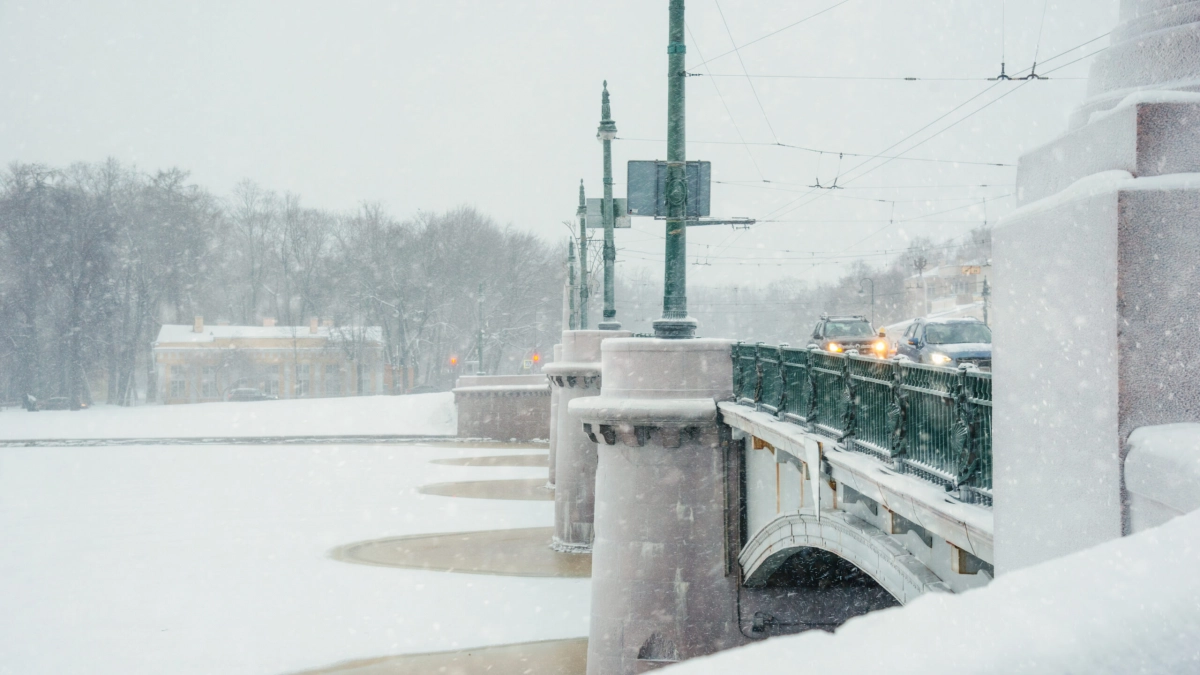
[664, 566]
[576, 376]
[1096, 291]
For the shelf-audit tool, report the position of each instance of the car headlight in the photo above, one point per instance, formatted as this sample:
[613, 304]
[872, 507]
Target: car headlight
[939, 359]
[834, 347]
[880, 347]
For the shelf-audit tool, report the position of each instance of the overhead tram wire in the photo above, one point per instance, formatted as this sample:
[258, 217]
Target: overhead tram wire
[896, 78]
[751, 183]
[778, 211]
[957, 122]
[745, 72]
[726, 106]
[861, 78]
[1038, 46]
[772, 33]
[822, 152]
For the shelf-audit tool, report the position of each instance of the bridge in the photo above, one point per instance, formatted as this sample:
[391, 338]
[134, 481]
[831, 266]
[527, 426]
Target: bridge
[731, 492]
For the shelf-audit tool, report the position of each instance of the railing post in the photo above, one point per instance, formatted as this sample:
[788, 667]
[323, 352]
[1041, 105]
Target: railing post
[758, 374]
[810, 415]
[736, 355]
[964, 433]
[898, 414]
[848, 398]
[783, 382]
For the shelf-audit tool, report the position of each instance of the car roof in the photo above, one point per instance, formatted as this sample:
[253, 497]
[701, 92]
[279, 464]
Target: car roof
[963, 320]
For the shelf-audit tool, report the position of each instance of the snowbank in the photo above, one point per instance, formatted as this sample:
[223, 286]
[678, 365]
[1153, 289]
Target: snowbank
[414, 415]
[1131, 605]
[1162, 473]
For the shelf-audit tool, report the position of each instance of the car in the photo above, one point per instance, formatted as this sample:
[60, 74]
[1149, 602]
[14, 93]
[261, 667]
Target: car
[948, 342]
[845, 333]
[249, 394]
[59, 403]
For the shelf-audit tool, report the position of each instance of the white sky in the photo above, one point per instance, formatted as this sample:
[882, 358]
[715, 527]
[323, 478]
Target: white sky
[428, 105]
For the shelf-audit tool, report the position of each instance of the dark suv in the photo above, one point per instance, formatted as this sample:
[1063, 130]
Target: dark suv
[844, 333]
[948, 342]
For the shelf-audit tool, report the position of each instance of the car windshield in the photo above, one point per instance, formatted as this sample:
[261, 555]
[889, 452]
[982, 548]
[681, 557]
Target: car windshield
[957, 333]
[848, 329]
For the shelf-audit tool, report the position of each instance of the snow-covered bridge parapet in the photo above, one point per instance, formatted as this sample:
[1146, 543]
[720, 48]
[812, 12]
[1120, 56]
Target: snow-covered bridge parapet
[503, 407]
[802, 490]
[928, 421]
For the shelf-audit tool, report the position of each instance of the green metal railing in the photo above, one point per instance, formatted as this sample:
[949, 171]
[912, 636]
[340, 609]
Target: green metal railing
[928, 421]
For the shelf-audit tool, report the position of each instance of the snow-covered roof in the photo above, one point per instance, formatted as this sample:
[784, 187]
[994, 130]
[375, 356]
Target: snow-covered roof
[184, 334]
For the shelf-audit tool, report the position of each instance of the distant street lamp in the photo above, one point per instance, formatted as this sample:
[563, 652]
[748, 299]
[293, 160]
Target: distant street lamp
[861, 293]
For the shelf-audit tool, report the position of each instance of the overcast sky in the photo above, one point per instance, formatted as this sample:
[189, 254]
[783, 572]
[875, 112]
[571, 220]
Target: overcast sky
[428, 105]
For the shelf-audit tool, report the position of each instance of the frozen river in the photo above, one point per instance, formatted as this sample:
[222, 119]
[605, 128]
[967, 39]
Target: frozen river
[215, 559]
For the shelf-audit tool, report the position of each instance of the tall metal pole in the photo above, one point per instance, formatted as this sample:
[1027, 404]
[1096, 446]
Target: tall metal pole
[675, 322]
[479, 369]
[605, 134]
[987, 293]
[860, 285]
[571, 322]
[583, 264]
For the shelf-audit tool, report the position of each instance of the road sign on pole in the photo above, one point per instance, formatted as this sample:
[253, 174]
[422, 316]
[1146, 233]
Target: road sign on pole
[620, 207]
[646, 188]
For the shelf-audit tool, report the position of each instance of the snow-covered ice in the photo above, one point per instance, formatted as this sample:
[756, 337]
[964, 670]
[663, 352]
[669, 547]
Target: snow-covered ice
[413, 415]
[1131, 605]
[214, 559]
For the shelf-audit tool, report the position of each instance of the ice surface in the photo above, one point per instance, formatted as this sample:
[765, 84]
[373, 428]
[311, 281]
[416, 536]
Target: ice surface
[413, 415]
[214, 559]
[1130, 605]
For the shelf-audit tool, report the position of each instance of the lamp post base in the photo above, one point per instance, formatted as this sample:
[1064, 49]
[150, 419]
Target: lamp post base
[675, 329]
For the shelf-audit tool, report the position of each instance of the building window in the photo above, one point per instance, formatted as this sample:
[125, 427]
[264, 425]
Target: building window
[208, 382]
[363, 378]
[302, 379]
[178, 383]
[333, 380]
[271, 383]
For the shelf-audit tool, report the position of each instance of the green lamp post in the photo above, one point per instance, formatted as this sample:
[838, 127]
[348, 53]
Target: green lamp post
[675, 322]
[605, 134]
[581, 212]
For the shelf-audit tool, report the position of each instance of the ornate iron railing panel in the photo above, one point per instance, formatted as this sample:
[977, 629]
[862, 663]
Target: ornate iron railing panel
[770, 375]
[745, 374]
[799, 398]
[929, 421]
[833, 393]
[874, 387]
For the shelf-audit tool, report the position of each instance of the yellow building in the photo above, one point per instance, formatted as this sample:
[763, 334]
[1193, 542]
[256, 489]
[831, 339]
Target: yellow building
[198, 363]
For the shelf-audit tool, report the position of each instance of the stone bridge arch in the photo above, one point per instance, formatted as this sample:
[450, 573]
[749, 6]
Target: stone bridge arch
[850, 538]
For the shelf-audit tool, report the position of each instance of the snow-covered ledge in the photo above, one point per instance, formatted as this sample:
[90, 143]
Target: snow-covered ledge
[1162, 474]
[503, 407]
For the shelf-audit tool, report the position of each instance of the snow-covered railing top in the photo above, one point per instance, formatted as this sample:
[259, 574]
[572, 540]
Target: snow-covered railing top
[929, 421]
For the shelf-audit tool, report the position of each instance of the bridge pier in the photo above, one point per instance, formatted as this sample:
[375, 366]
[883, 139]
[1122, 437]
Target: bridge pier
[555, 395]
[576, 376]
[664, 562]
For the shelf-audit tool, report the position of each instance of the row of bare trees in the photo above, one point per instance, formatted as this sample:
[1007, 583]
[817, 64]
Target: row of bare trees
[94, 258]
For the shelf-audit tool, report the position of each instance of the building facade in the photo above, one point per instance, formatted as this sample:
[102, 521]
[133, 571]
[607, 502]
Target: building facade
[199, 363]
[946, 287]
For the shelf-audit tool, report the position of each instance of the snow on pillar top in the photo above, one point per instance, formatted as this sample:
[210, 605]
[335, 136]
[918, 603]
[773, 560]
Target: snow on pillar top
[1156, 46]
